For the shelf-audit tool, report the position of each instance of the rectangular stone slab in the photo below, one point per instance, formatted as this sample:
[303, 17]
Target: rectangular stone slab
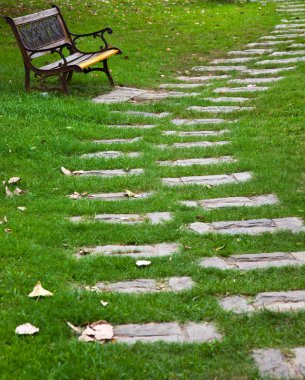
[255, 80]
[145, 114]
[152, 217]
[233, 90]
[268, 71]
[250, 227]
[208, 180]
[252, 201]
[118, 141]
[233, 60]
[107, 173]
[250, 51]
[283, 53]
[179, 122]
[252, 261]
[281, 61]
[119, 94]
[219, 109]
[128, 126]
[135, 251]
[195, 144]
[227, 99]
[111, 196]
[268, 43]
[203, 78]
[182, 85]
[198, 161]
[110, 154]
[219, 68]
[195, 133]
[283, 36]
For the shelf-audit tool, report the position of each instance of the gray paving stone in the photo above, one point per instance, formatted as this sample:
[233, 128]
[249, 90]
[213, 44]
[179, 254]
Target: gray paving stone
[289, 26]
[219, 68]
[167, 332]
[107, 173]
[214, 203]
[135, 251]
[154, 95]
[234, 90]
[138, 286]
[118, 141]
[153, 217]
[233, 60]
[208, 180]
[195, 133]
[284, 53]
[194, 144]
[236, 304]
[250, 227]
[198, 161]
[179, 122]
[110, 154]
[255, 261]
[281, 61]
[282, 36]
[268, 71]
[290, 30]
[268, 43]
[220, 109]
[296, 45]
[281, 365]
[255, 80]
[182, 85]
[250, 51]
[203, 78]
[137, 126]
[227, 99]
[145, 114]
[110, 196]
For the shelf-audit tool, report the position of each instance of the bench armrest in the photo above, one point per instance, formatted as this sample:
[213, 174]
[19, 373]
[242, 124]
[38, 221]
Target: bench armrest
[99, 33]
[57, 49]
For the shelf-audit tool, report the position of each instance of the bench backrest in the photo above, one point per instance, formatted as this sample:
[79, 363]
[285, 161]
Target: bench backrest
[40, 30]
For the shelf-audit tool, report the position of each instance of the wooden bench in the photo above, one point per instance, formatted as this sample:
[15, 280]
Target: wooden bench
[47, 33]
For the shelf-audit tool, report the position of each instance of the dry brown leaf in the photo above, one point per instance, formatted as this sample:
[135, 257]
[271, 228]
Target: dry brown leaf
[66, 171]
[8, 192]
[77, 330]
[39, 291]
[26, 329]
[8, 231]
[21, 208]
[4, 220]
[99, 331]
[130, 194]
[143, 263]
[14, 180]
[18, 191]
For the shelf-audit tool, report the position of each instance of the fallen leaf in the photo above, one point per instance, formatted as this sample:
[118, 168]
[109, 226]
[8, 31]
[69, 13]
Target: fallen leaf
[26, 329]
[13, 180]
[39, 291]
[18, 191]
[219, 248]
[130, 194]
[8, 192]
[74, 328]
[8, 231]
[66, 171]
[4, 220]
[100, 331]
[104, 303]
[168, 49]
[143, 263]
[21, 208]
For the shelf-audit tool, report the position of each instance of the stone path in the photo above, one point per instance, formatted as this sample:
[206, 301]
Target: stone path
[152, 217]
[219, 109]
[111, 196]
[198, 161]
[208, 180]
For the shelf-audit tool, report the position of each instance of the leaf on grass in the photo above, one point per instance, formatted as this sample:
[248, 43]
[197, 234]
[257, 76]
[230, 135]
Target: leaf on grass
[219, 248]
[26, 329]
[14, 180]
[104, 303]
[18, 191]
[143, 263]
[21, 208]
[8, 192]
[66, 171]
[130, 194]
[77, 330]
[7, 230]
[99, 331]
[4, 220]
[39, 291]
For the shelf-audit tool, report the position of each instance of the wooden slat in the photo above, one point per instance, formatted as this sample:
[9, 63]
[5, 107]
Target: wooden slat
[97, 58]
[35, 16]
[71, 60]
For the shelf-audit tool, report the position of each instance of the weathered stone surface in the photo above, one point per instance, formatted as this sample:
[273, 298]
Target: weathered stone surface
[268, 43]
[250, 51]
[296, 45]
[255, 261]
[175, 284]
[195, 144]
[255, 80]
[182, 85]
[254, 201]
[233, 60]
[107, 173]
[283, 36]
[219, 109]
[198, 161]
[153, 217]
[250, 227]
[118, 141]
[137, 126]
[288, 26]
[195, 133]
[227, 99]
[290, 30]
[208, 180]
[280, 365]
[154, 95]
[284, 53]
[167, 332]
[145, 114]
[110, 154]
[198, 121]
[268, 71]
[135, 251]
[203, 78]
[110, 196]
[219, 68]
[234, 90]
[236, 304]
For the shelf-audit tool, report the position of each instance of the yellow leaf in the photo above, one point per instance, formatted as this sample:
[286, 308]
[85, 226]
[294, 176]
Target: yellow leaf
[39, 291]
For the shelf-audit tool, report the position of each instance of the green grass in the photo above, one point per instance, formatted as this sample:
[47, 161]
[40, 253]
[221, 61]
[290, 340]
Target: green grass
[41, 134]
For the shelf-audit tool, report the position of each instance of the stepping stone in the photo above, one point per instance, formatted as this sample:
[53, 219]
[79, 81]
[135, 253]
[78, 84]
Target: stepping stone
[285, 36]
[255, 80]
[280, 365]
[145, 114]
[194, 144]
[268, 71]
[220, 109]
[154, 95]
[110, 196]
[167, 332]
[219, 68]
[143, 285]
[288, 26]
[255, 261]
[268, 43]
[283, 53]
[118, 141]
[297, 45]
[234, 90]
[254, 201]
[250, 51]
[179, 122]
[106, 173]
[110, 154]
[281, 61]
[153, 217]
[128, 126]
[195, 133]
[203, 78]
[290, 30]
[182, 85]
[250, 227]
[208, 180]
[233, 60]
[198, 161]
[135, 251]
[273, 301]
[227, 99]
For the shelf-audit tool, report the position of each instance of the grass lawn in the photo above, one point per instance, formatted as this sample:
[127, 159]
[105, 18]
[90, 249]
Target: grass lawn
[40, 134]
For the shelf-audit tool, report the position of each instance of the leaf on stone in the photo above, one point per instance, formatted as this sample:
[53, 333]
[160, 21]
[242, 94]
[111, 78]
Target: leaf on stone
[26, 329]
[77, 330]
[39, 291]
[66, 171]
[18, 191]
[143, 263]
[14, 180]
[99, 331]
[130, 194]
[219, 248]
[21, 208]
[104, 303]
[8, 192]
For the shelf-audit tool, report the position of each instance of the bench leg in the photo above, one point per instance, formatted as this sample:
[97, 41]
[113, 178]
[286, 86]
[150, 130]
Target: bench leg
[64, 80]
[27, 79]
[70, 75]
[107, 72]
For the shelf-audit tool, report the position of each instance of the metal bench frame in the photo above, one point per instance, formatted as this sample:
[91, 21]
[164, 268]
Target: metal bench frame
[46, 32]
